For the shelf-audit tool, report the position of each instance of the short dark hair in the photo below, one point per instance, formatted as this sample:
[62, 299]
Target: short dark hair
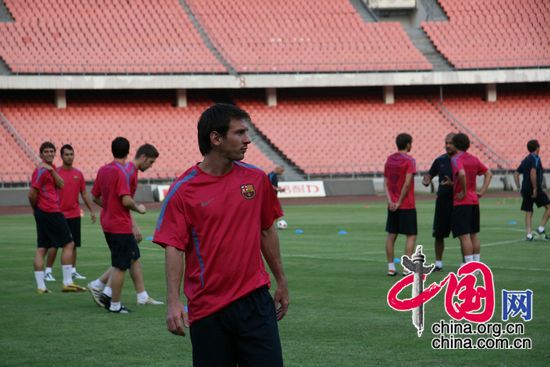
[66, 147]
[402, 140]
[461, 142]
[148, 150]
[45, 145]
[533, 145]
[120, 147]
[217, 118]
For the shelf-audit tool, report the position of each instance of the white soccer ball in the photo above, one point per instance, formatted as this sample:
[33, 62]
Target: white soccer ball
[282, 224]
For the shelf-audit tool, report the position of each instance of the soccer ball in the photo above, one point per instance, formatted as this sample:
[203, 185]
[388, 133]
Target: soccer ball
[282, 224]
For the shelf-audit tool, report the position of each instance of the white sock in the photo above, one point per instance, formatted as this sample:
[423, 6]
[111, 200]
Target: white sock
[39, 277]
[115, 306]
[541, 229]
[67, 274]
[98, 284]
[108, 291]
[529, 235]
[142, 296]
[48, 270]
[439, 263]
[476, 257]
[73, 270]
[468, 258]
[391, 266]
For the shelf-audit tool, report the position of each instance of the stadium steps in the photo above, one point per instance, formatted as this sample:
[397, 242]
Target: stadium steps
[426, 47]
[364, 11]
[433, 10]
[292, 172]
[22, 143]
[4, 68]
[5, 15]
[206, 39]
[475, 140]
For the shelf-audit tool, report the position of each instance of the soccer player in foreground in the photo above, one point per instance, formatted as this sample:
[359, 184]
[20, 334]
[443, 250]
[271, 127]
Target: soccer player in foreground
[531, 190]
[465, 218]
[51, 226]
[100, 288]
[399, 170]
[218, 219]
[441, 167]
[112, 193]
[74, 184]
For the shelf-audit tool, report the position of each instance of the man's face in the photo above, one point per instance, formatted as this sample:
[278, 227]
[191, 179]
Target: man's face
[48, 155]
[144, 163]
[449, 147]
[67, 157]
[234, 145]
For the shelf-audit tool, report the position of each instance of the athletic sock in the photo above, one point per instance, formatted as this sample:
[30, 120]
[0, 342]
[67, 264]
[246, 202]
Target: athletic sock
[143, 296]
[73, 270]
[439, 263]
[48, 270]
[39, 277]
[541, 229]
[468, 258]
[391, 266]
[67, 274]
[115, 306]
[108, 291]
[530, 235]
[98, 284]
[476, 257]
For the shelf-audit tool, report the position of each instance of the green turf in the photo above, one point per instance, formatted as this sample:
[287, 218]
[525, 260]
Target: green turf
[338, 314]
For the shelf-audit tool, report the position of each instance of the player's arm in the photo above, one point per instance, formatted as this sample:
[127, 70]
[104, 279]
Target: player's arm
[88, 204]
[174, 275]
[272, 254]
[404, 190]
[487, 176]
[33, 197]
[533, 178]
[462, 180]
[427, 179]
[136, 231]
[129, 203]
[97, 200]
[391, 204]
[516, 179]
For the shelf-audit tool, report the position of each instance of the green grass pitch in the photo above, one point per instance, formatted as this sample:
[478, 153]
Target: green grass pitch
[338, 314]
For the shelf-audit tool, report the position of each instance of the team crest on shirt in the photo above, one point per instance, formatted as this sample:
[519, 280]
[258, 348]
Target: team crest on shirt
[248, 191]
[75, 178]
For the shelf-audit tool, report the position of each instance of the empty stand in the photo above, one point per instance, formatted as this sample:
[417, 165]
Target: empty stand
[493, 33]
[90, 128]
[106, 36]
[15, 166]
[304, 36]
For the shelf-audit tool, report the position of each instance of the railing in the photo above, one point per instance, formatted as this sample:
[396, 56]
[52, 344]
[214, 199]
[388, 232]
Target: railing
[18, 139]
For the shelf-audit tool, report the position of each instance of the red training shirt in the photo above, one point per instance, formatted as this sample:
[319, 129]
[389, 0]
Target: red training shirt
[111, 184]
[74, 184]
[132, 171]
[217, 221]
[395, 170]
[473, 167]
[48, 199]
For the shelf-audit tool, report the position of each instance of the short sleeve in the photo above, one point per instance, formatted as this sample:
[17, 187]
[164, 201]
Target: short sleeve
[96, 191]
[172, 226]
[520, 168]
[434, 169]
[38, 178]
[82, 182]
[411, 166]
[271, 207]
[481, 168]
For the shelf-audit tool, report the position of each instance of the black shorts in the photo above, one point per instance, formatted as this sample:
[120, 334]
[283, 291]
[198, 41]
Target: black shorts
[442, 217]
[465, 220]
[528, 201]
[245, 333]
[124, 249]
[402, 221]
[74, 226]
[51, 229]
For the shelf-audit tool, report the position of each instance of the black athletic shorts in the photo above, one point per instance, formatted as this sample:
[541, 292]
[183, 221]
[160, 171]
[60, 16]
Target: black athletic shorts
[245, 333]
[465, 219]
[442, 217]
[51, 229]
[528, 201]
[74, 226]
[402, 221]
[123, 248]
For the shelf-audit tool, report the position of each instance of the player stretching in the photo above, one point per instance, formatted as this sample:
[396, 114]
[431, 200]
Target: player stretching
[399, 170]
[531, 190]
[465, 217]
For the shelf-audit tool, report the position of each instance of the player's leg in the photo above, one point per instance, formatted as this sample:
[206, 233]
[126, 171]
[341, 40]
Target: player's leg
[392, 227]
[38, 264]
[474, 230]
[527, 207]
[74, 226]
[408, 227]
[121, 260]
[43, 242]
[476, 247]
[50, 261]
[439, 244]
[467, 247]
[213, 342]
[543, 201]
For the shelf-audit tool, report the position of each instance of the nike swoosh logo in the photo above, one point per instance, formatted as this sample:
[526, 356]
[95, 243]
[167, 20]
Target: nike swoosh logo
[205, 203]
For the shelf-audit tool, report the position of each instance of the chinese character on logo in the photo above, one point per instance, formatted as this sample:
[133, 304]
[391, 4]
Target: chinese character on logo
[516, 303]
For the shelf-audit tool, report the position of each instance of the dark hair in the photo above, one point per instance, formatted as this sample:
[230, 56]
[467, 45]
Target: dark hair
[120, 147]
[402, 140]
[148, 150]
[66, 147]
[217, 118]
[532, 145]
[46, 145]
[461, 142]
